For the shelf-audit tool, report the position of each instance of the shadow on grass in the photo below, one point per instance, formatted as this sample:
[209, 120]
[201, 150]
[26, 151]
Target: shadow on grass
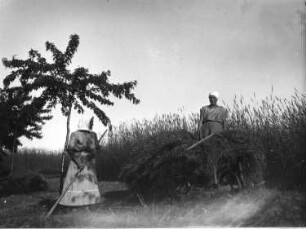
[286, 209]
[111, 199]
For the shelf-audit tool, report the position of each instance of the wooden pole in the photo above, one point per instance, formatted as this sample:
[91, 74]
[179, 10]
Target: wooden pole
[102, 136]
[65, 150]
[13, 152]
[199, 142]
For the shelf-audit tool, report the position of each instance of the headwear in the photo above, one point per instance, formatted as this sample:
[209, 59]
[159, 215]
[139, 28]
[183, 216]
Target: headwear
[215, 94]
[85, 123]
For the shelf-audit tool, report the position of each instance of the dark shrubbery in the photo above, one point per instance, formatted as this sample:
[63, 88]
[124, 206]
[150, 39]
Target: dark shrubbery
[30, 182]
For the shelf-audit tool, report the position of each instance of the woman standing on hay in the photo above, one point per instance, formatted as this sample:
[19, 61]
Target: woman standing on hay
[212, 117]
[82, 150]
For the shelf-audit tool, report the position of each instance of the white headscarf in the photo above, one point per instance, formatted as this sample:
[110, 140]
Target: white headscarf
[215, 94]
[84, 122]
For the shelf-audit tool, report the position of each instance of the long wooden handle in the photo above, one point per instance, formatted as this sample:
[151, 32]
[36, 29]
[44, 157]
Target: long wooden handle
[199, 142]
[63, 193]
[102, 136]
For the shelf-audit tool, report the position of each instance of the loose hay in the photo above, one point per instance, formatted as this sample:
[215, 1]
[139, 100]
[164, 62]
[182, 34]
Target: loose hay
[170, 170]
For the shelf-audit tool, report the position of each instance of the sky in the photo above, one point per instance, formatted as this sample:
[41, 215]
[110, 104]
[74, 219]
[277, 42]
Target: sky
[177, 50]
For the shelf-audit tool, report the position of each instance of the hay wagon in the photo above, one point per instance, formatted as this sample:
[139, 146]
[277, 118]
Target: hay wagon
[230, 159]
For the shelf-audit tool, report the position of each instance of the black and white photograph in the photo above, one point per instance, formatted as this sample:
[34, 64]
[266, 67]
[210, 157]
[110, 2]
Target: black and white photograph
[152, 113]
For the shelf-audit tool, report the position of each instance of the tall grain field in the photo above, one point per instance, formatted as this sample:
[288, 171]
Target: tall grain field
[277, 126]
[37, 161]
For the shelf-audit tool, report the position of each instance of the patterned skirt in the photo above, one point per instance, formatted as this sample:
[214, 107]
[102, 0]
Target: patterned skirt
[84, 190]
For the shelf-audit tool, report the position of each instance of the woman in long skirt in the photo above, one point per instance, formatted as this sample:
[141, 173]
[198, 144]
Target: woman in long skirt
[82, 148]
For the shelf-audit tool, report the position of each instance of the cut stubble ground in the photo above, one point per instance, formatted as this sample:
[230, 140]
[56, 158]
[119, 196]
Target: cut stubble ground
[254, 207]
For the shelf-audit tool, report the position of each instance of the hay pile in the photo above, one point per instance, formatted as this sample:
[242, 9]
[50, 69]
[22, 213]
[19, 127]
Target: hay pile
[27, 183]
[169, 170]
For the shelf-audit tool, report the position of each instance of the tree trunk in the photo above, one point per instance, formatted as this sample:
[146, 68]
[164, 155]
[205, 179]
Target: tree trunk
[13, 153]
[65, 149]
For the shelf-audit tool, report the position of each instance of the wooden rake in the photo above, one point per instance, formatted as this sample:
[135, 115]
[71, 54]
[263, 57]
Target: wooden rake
[199, 142]
[63, 193]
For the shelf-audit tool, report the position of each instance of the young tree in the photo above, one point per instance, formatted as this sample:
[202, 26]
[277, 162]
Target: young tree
[76, 89]
[20, 115]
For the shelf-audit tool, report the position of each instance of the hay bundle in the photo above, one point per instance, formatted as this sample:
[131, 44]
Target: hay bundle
[23, 184]
[163, 172]
[157, 177]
